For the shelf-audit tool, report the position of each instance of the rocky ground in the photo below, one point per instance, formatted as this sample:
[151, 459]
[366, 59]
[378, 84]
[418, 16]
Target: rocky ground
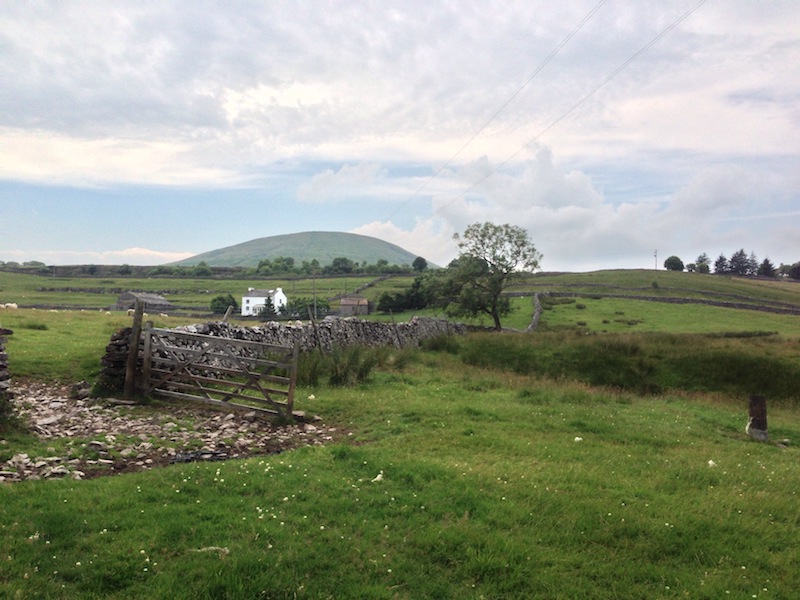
[85, 437]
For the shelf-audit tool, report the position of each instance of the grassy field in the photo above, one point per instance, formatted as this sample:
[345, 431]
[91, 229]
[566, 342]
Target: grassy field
[595, 460]
[194, 295]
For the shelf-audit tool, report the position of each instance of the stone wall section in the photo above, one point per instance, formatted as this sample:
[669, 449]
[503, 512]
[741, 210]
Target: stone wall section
[327, 335]
[5, 375]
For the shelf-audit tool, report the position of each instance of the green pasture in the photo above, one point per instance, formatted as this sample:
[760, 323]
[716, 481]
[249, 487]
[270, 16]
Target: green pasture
[603, 456]
[625, 315]
[668, 284]
[448, 482]
[192, 294]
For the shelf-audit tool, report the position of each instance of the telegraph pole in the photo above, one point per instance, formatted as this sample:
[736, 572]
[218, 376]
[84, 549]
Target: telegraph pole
[656, 256]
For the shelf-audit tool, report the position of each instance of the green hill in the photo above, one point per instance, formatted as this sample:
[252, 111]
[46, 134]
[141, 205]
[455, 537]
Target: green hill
[323, 246]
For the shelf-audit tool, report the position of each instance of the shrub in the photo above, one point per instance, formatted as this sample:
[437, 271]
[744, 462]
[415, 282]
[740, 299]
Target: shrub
[342, 367]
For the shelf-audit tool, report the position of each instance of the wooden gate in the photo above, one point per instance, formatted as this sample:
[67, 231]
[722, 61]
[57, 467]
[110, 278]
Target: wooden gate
[220, 371]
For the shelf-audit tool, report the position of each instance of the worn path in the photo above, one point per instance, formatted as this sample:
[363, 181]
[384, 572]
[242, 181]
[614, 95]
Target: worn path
[94, 437]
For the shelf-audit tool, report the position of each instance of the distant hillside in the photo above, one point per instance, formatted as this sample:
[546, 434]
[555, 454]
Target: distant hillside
[323, 246]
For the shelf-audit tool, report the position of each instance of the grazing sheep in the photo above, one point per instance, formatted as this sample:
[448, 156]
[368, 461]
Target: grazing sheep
[108, 313]
[164, 315]
[131, 312]
[11, 306]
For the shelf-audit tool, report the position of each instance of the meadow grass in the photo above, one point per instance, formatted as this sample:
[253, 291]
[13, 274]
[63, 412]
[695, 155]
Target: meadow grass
[456, 482]
[552, 465]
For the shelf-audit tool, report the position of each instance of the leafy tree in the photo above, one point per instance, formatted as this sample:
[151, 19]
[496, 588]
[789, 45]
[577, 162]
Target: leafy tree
[419, 264]
[302, 307]
[267, 312]
[721, 265]
[703, 263]
[340, 266]
[202, 270]
[220, 304]
[491, 256]
[311, 268]
[752, 264]
[766, 269]
[794, 271]
[739, 264]
[125, 269]
[412, 299]
[673, 263]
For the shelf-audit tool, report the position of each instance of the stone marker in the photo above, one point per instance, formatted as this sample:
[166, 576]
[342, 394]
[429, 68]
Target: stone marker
[757, 424]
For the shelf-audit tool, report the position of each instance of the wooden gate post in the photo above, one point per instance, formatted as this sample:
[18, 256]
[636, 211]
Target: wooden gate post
[757, 423]
[133, 352]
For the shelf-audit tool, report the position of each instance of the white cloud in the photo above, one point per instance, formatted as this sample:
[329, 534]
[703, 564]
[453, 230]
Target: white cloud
[349, 182]
[131, 256]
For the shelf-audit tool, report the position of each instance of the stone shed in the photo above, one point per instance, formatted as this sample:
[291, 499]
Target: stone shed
[353, 306]
[152, 302]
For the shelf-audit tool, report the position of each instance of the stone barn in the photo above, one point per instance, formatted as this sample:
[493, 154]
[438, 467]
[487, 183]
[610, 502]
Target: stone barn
[152, 302]
[353, 306]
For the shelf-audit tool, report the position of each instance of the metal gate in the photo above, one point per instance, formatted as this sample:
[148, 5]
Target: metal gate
[220, 371]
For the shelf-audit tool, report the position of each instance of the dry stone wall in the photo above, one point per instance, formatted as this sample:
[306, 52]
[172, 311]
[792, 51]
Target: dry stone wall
[328, 334]
[5, 376]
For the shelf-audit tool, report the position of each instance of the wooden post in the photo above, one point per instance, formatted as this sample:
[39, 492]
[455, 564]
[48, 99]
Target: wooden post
[147, 361]
[133, 352]
[228, 312]
[757, 423]
[292, 379]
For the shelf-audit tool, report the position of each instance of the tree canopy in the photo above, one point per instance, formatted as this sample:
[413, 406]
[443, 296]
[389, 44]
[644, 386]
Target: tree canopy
[490, 257]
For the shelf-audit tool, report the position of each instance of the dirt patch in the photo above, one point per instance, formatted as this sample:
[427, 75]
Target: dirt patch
[84, 438]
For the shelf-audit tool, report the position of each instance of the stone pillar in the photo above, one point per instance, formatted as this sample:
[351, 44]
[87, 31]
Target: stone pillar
[757, 423]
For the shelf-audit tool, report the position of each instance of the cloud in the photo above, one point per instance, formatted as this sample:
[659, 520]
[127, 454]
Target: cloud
[132, 256]
[350, 181]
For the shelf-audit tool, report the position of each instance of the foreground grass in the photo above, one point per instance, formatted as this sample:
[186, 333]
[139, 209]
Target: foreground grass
[457, 482]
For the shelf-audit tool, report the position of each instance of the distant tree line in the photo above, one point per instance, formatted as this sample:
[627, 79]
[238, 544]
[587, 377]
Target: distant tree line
[281, 266]
[740, 263]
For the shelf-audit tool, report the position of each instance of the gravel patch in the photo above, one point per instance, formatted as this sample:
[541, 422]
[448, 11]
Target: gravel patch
[97, 437]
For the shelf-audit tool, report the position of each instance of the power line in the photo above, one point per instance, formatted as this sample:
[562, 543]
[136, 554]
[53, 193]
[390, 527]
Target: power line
[575, 106]
[541, 66]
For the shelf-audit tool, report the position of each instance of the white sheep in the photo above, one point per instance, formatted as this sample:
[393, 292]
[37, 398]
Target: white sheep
[11, 306]
[131, 312]
[164, 315]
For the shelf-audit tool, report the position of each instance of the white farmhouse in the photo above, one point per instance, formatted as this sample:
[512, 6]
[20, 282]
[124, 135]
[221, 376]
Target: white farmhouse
[254, 301]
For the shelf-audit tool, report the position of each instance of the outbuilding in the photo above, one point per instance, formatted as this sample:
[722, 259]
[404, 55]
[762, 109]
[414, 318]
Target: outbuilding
[353, 306]
[151, 302]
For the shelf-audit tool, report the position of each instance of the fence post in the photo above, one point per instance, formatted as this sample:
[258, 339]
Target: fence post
[133, 352]
[757, 423]
[292, 379]
[147, 362]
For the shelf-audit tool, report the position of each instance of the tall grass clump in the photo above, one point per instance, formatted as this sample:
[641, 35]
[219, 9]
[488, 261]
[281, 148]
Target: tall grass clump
[645, 363]
[349, 366]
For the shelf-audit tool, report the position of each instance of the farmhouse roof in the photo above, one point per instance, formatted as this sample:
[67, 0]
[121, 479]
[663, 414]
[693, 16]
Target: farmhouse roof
[354, 300]
[254, 293]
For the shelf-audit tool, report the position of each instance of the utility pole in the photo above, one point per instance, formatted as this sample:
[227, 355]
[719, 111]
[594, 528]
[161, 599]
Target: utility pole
[656, 255]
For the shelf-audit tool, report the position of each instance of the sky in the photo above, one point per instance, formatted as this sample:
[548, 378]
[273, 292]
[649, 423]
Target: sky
[616, 133]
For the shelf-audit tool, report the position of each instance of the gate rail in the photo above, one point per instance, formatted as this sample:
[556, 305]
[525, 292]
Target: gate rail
[220, 371]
